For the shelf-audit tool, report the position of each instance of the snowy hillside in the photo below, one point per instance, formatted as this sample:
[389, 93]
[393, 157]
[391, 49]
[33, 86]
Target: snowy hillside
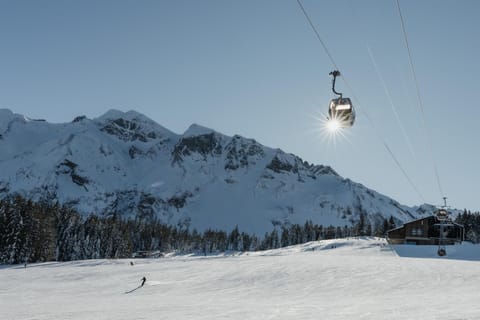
[330, 279]
[128, 164]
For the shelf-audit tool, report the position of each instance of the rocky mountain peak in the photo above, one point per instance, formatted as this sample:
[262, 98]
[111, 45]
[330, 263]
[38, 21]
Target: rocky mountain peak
[241, 152]
[197, 130]
[131, 126]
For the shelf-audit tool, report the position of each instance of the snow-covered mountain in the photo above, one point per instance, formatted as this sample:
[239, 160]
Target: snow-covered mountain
[128, 164]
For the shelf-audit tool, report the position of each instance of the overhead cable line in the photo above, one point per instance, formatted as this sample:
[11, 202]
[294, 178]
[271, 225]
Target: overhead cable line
[358, 101]
[385, 144]
[394, 109]
[317, 34]
[419, 99]
[404, 173]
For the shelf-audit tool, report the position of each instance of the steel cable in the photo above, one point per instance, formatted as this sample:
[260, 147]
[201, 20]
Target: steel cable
[419, 99]
[385, 144]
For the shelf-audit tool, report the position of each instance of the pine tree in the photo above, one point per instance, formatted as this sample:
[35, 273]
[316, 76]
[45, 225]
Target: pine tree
[285, 237]
[368, 230]
[234, 239]
[391, 223]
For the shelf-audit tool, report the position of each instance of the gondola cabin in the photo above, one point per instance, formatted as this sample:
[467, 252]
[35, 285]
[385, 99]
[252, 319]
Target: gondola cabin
[341, 110]
[442, 215]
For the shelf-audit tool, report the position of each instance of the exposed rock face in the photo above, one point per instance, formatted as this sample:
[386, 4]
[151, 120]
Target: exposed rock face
[127, 130]
[128, 164]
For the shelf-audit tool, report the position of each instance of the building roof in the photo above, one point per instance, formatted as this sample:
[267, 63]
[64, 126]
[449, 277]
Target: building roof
[429, 217]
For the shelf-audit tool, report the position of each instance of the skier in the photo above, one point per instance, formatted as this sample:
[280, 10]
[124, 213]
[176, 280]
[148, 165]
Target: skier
[143, 281]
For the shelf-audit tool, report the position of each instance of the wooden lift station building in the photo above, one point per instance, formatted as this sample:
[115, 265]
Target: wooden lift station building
[426, 231]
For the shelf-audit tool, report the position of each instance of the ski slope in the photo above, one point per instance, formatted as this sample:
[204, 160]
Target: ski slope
[335, 279]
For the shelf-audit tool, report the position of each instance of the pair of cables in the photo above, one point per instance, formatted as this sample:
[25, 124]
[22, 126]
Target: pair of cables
[364, 111]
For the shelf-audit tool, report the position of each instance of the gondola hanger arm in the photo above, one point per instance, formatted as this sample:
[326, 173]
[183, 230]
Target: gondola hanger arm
[335, 74]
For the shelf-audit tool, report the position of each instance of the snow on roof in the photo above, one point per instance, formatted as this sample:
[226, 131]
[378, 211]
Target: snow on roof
[412, 221]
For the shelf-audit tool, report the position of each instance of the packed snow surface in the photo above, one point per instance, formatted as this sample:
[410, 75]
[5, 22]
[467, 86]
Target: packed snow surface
[335, 279]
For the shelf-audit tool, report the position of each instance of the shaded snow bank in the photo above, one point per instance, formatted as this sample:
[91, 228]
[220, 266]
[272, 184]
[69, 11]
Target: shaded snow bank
[465, 251]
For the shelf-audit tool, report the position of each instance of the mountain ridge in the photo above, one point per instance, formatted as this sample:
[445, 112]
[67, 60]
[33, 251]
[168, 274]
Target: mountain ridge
[126, 163]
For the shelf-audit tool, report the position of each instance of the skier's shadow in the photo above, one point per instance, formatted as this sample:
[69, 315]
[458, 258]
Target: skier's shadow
[133, 289]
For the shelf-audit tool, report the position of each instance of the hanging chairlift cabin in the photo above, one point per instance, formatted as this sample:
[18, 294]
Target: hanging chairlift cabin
[340, 109]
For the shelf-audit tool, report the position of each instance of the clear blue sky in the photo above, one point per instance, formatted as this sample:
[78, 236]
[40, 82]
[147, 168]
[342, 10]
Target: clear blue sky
[255, 68]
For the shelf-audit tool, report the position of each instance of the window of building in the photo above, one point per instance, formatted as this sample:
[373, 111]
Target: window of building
[416, 232]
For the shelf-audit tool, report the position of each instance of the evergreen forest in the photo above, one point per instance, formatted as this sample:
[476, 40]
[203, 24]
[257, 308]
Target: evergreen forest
[40, 231]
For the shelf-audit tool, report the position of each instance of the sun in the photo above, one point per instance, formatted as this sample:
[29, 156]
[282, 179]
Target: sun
[333, 125]
[330, 129]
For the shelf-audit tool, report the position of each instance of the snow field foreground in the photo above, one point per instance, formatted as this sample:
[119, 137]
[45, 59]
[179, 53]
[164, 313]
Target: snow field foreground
[335, 279]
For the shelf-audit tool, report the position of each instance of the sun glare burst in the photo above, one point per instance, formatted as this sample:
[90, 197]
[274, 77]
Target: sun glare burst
[333, 125]
[330, 129]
